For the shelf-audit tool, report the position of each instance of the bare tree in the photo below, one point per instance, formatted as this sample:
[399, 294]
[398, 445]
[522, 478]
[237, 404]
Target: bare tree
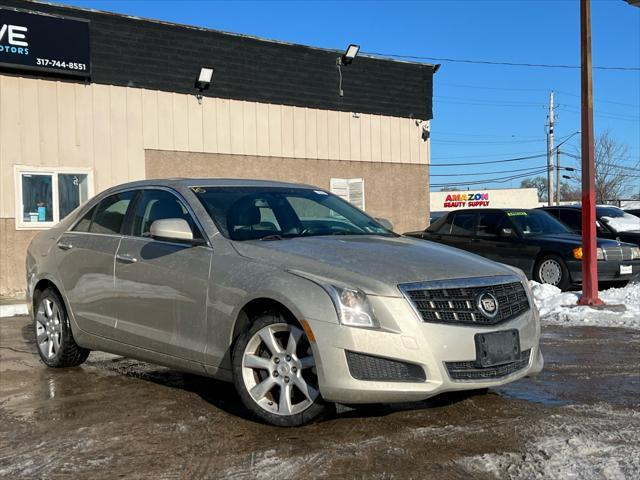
[539, 183]
[615, 177]
[568, 192]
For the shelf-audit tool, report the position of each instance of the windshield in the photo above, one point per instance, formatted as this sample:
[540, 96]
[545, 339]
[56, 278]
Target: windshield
[271, 213]
[535, 222]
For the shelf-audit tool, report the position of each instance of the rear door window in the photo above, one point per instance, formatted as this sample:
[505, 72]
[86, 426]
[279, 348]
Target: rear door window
[571, 218]
[463, 224]
[110, 213]
[85, 223]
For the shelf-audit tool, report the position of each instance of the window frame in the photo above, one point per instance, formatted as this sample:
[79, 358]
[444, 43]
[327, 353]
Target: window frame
[20, 170]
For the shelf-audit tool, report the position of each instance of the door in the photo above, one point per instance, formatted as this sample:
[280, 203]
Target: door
[162, 285]
[498, 240]
[85, 257]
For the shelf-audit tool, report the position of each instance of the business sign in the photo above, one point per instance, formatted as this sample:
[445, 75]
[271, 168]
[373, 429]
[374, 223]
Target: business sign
[495, 198]
[35, 41]
[466, 199]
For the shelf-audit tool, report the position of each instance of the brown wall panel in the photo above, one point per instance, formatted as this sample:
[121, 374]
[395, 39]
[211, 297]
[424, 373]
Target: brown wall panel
[395, 191]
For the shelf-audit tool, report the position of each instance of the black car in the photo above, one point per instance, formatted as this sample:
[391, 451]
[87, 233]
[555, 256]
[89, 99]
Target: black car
[634, 211]
[612, 222]
[534, 241]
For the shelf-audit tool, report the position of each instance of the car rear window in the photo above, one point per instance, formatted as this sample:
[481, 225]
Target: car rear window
[110, 213]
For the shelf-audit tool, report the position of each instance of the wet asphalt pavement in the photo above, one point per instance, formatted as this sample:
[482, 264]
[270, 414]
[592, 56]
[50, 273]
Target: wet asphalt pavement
[120, 418]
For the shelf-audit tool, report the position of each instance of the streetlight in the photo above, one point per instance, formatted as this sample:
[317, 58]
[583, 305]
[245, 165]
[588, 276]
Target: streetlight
[203, 81]
[346, 59]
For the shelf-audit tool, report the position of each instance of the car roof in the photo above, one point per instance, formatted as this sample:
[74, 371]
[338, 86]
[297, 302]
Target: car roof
[210, 182]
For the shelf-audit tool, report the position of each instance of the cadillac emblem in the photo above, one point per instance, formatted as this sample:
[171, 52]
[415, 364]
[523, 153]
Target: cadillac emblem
[487, 304]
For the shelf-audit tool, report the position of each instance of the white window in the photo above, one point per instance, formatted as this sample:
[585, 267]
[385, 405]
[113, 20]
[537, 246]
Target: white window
[350, 189]
[44, 196]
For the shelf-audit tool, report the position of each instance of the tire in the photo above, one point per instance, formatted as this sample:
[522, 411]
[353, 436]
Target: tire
[552, 270]
[54, 339]
[267, 366]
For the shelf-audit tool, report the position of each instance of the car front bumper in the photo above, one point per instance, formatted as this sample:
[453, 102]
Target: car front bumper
[427, 345]
[608, 270]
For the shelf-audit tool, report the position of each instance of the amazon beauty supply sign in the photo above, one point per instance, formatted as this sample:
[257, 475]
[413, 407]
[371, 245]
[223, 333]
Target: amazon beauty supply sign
[499, 198]
[44, 43]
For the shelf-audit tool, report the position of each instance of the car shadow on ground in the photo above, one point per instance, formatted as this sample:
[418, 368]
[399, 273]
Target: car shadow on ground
[222, 395]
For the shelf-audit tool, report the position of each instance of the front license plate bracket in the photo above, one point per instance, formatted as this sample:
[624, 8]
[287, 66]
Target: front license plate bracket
[497, 348]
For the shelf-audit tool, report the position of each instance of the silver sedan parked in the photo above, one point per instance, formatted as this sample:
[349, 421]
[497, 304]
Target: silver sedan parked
[291, 293]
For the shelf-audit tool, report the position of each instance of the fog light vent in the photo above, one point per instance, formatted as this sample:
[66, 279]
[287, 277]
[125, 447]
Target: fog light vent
[369, 367]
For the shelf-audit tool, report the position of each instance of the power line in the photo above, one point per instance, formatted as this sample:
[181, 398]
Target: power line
[509, 89]
[493, 62]
[483, 173]
[483, 155]
[544, 155]
[608, 164]
[487, 180]
[491, 142]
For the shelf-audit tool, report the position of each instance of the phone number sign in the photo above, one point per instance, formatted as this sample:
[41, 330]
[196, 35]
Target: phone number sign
[47, 43]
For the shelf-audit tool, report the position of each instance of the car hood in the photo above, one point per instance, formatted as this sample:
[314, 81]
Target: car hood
[374, 264]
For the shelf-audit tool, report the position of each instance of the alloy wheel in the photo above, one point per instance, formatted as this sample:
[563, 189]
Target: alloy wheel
[550, 271]
[48, 328]
[279, 371]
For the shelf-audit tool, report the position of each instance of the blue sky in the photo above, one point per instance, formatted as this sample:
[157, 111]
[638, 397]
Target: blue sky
[481, 112]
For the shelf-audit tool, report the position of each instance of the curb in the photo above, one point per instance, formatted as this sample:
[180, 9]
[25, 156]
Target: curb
[13, 309]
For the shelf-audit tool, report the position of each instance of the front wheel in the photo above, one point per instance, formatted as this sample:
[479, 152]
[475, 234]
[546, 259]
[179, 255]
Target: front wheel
[274, 372]
[552, 270]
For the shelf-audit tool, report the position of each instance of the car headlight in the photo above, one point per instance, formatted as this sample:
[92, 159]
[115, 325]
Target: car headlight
[635, 253]
[577, 253]
[352, 306]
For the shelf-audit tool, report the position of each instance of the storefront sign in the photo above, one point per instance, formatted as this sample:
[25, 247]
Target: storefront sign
[467, 199]
[34, 41]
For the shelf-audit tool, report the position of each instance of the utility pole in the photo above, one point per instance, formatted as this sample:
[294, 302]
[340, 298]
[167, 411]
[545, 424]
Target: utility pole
[589, 260]
[558, 175]
[550, 153]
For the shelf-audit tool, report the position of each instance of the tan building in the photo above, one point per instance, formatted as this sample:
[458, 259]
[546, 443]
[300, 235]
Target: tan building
[118, 103]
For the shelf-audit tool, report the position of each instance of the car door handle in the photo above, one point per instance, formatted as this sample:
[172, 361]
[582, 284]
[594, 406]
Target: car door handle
[124, 258]
[64, 246]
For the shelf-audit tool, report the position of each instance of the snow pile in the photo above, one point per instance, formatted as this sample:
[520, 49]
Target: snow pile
[560, 308]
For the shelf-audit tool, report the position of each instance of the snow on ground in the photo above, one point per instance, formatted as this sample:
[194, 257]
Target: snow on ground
[560, 308]
[594, 448]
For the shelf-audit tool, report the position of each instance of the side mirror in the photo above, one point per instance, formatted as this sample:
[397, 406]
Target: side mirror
[171, 229]
[385, 223]
[506, 232]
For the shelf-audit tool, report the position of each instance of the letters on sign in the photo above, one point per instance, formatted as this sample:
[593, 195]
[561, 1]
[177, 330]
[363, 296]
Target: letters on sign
[466, 199]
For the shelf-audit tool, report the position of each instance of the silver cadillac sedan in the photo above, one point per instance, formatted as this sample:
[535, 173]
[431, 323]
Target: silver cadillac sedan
[291, 293]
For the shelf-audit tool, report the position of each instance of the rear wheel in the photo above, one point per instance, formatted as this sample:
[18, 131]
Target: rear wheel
[54, 339]
[552, 270]
[275, 374]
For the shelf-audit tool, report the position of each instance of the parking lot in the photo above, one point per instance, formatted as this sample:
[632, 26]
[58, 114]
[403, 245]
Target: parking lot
[116, 417]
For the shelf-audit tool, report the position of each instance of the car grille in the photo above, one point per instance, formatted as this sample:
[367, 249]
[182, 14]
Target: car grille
[471, 371]
[370, 367]
[619, 253]
[456, 301]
